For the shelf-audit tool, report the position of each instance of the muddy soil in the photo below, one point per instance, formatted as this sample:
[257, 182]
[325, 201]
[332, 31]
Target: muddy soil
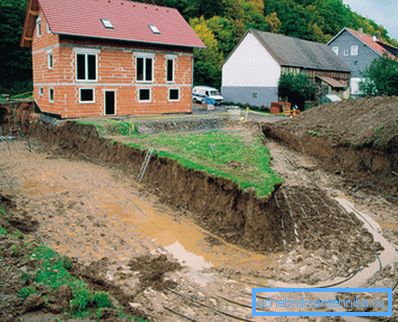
[103, 219]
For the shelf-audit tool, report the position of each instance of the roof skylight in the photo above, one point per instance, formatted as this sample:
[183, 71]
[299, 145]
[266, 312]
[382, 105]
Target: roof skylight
[107, 23]
[154, 29]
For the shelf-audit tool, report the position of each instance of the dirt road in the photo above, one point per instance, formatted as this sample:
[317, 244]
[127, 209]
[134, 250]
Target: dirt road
[165, 263]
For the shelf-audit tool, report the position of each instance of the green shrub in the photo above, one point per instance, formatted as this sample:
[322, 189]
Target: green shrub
[81, 300]
[381, 78]
[101, 300]
[3, 231]
[297, 89]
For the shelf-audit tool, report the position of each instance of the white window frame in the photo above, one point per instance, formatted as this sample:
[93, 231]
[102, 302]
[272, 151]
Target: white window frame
[50, 54]
[354, 50]
[49, 94]
[336, 50]
[48, 28]
[145, 56]
[39, 27]
[41, 91]
[346, 53]
[80, 96]
[150, 95]
[155, 30]
[172, 58]
[86, 52]
[179, 94]
[107, 23]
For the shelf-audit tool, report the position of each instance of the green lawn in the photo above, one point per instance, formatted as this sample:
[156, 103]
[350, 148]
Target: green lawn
[245, 161]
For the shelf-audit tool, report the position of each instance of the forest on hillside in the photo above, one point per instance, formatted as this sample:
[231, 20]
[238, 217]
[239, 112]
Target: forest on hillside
[219, 23]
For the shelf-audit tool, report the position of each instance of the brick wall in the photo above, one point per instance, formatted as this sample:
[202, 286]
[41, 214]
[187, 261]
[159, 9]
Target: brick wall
[116, 72]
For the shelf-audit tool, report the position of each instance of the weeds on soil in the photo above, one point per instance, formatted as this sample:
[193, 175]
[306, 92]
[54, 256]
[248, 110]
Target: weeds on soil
[53, 271]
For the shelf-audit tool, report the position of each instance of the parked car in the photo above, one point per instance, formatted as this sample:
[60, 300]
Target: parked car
[200, 95]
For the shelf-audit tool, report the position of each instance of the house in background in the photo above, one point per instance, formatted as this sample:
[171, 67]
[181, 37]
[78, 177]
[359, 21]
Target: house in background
[97, 57]
[359, 50]
[251, 73]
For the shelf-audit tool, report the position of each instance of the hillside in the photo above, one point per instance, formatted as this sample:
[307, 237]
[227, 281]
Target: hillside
[220, 24]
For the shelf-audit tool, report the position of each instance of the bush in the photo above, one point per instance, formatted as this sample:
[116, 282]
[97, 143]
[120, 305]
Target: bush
[297, 89]
[381, 78]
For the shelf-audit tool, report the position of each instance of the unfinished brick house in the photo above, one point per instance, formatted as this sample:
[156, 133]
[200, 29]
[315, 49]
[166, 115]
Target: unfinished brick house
[109, 57]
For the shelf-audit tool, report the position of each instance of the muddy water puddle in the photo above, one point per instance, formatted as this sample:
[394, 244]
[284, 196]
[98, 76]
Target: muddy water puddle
[156, 228]
[189, 244]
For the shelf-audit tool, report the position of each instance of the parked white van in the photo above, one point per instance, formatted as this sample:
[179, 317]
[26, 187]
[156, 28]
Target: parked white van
[201, 93]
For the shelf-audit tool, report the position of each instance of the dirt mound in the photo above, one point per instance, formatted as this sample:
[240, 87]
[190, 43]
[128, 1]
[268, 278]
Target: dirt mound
[357, 139]
[153, 270]
[354, 123]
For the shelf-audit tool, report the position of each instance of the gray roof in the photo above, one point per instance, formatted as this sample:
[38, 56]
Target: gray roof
[294, 52]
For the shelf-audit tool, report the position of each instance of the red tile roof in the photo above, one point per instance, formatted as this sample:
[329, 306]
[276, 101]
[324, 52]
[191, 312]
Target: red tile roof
[129, 19]
[368, 40]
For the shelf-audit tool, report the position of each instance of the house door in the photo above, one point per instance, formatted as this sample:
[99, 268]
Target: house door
[110, 102]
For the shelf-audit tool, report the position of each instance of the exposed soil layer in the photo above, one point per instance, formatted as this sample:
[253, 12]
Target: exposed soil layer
[235, 215]
[357, 139]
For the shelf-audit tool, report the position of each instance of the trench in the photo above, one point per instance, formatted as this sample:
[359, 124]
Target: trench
[233, 215]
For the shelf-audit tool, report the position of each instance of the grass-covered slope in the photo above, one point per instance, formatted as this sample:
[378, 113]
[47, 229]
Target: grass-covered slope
[229, 155]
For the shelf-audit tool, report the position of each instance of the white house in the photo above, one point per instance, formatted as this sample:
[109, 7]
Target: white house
[251, 73]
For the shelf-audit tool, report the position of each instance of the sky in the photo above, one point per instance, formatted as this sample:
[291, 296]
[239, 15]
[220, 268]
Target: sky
[383, 12]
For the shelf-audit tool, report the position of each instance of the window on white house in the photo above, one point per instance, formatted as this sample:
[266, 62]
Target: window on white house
[170, 71]
[87, 95]
[107, 23]
[354, 50]
[41, 91]
[154, 29]
[145, 95]
[346, 53]
[336, 50]
[38, 27]
[50, 60]
[86, 67]
[174, 94]
[144, 69]
[51, 95]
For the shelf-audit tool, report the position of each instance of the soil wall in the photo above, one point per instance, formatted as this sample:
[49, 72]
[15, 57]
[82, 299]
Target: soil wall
[363, 165]
[217, 204]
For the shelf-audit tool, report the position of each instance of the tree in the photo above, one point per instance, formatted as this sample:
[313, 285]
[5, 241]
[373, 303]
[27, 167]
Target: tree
[381, 78]
[15, 62]
[224, 30]
[252, 18]
[296, 88]
[208, 60]
[273, 22]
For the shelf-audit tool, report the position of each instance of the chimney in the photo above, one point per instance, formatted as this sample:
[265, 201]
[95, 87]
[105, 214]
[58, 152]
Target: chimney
[360, 30]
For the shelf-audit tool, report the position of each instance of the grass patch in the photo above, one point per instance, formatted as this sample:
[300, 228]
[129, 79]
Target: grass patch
[53, 272]
[3, 211]
[222, 154]
[27, 291]
[3, 231]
